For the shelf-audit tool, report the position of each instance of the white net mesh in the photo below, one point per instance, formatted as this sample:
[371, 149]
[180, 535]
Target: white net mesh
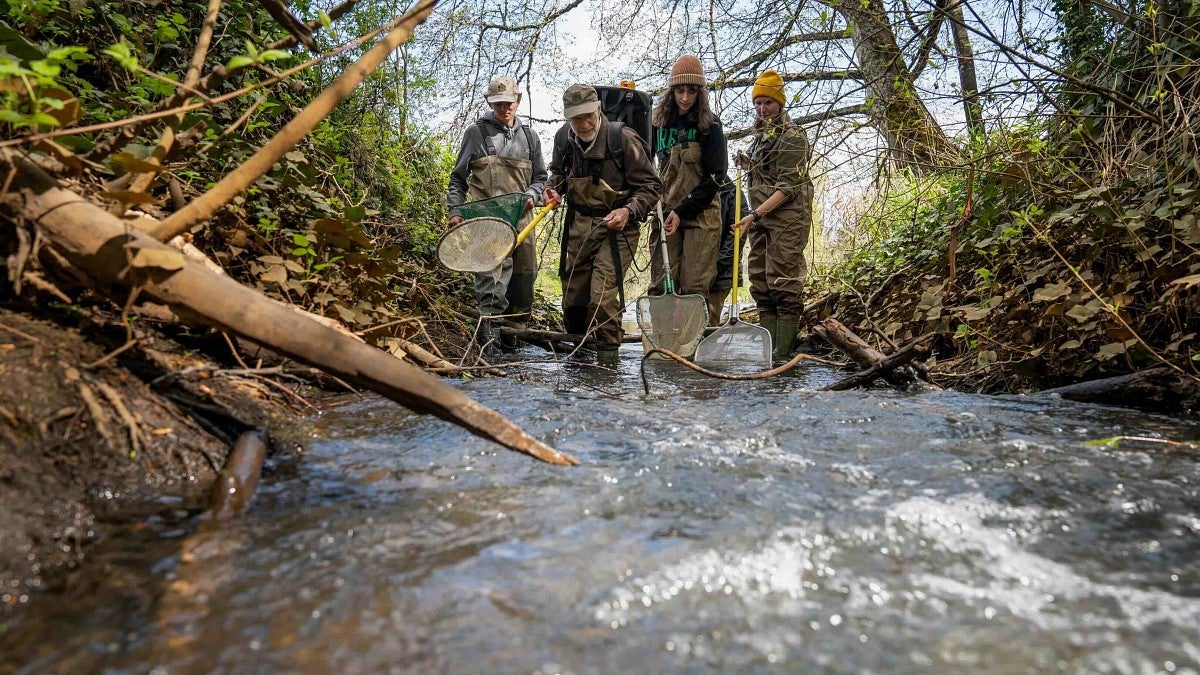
[736, 347]
[476, 245]
[672, 322]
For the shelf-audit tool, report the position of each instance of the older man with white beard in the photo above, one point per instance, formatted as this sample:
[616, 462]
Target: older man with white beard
[610, 184]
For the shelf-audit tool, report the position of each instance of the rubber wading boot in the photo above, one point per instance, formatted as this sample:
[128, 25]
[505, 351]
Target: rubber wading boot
[520, 295]
[608, 357]
[488, 339]
[770, 321]
[785, 337]
[508, 341]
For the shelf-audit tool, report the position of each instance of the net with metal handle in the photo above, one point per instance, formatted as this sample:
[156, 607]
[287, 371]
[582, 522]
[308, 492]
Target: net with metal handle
[736, 346]
[671, 321]
[488, 235]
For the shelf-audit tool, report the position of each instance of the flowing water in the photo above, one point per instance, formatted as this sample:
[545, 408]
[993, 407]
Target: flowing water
[730, 526]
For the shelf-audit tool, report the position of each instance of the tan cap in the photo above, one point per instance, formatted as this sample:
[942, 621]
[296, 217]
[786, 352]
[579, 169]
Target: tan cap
[580, 99]
[502, 90]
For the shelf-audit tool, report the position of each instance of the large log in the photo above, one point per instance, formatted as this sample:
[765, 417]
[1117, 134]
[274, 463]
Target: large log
[1157, 389]
[117, 257]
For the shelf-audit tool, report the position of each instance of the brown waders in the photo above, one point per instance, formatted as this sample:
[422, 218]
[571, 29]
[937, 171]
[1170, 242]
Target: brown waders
[694, 247]
[776, 264]
[508, 289]
[597, 260]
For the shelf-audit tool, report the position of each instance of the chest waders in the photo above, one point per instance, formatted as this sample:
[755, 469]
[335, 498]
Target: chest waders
[583, 265]
[776, 264]
[694, 247]
[508, 289]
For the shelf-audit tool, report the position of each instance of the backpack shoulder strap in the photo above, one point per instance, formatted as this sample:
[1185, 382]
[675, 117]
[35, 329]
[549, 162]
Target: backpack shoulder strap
[616, 145]
[528, 141]
[488, 146]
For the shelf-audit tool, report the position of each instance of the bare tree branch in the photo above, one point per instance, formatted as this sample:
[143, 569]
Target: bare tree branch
[284, 17]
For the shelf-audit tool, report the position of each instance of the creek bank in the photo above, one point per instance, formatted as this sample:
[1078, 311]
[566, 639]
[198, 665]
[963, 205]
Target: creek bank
[84, 440]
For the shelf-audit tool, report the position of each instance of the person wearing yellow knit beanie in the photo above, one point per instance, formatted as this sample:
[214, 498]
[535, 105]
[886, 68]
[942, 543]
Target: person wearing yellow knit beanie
[692, 156]
[769, 84]
[781, 192]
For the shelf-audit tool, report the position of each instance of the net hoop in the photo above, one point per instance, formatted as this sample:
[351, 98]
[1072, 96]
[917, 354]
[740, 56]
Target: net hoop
[476, 245]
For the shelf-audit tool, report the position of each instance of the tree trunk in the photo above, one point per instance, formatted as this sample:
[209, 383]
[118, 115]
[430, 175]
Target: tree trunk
[966, 68]
[914, 138]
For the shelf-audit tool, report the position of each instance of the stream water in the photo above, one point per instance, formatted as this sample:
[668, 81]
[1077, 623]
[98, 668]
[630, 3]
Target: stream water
[731, 526]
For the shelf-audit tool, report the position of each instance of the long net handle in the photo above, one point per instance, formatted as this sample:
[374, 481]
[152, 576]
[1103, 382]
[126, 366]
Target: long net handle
[737, 246]
[668, 283]
[541, 215]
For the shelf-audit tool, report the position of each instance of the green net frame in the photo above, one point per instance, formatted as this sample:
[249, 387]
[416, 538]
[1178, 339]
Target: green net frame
[508, 208]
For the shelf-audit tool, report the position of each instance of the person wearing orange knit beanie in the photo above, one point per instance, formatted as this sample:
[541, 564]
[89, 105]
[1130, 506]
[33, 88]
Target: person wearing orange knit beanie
[692, 156]
[781, 192]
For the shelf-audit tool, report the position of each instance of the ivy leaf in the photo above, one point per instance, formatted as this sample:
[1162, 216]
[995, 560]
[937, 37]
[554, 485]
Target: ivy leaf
[1189, 281]
[162, 259]
[1083, 312]
[123, 56]
[1051, 292]
[1112, 350]
[275, 273]
[299, 240]
[45, 68]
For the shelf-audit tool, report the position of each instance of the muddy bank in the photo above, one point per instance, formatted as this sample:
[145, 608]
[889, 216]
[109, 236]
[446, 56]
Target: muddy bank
[85, 436]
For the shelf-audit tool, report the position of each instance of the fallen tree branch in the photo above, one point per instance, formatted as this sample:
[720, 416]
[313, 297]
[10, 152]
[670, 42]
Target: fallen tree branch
[859, 351]
[912, 350]
[102, 246]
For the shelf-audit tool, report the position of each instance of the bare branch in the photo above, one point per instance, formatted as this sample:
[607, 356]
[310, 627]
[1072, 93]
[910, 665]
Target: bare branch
[531, 26]
[859, 109]
[937, 17]
[284, 17]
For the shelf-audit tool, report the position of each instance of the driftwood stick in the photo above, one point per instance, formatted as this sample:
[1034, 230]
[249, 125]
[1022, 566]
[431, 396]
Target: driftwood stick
[261, 162]
[912, 350]
[99, 244]
[422, 356]
[234, 488]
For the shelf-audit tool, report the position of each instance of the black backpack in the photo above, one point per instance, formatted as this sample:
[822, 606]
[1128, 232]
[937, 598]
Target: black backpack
[624, 108]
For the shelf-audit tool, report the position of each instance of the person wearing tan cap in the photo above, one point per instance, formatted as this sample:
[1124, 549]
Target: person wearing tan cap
[500, 155]
[690, 147]
[781, 193]
[604, 170]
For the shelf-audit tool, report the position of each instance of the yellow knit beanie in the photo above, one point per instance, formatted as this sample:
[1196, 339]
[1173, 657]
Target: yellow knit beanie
[769, 84]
